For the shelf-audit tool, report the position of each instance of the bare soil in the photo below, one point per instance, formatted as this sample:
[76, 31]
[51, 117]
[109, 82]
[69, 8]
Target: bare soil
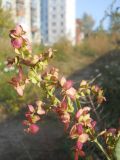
[16, 145]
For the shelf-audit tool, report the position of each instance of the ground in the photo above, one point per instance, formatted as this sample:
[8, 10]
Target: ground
[16, 145]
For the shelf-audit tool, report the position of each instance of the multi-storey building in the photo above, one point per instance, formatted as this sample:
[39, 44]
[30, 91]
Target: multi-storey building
[35, 20]
[79, 32]
[45, 20]
[23, 15]
[27, 14]
[57, 20]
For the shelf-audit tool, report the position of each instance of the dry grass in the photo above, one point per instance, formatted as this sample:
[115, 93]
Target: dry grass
[72, 63]
[70, 58]
[5, 49]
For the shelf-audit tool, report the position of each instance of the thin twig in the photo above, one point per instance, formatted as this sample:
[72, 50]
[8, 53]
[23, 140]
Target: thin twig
[99, 75]
[94, 109]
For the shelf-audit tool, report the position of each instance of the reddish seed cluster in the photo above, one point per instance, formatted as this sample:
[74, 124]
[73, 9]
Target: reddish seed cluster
[67, 89]
[19, 82]
[87, 90]
[62, 111]
[68, 102]
[18, 39]
[33, 116]
[111, 136]
[83, 130]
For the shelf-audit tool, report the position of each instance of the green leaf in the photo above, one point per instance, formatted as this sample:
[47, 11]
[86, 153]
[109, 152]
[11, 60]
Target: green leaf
[55, 100]
[50, 93]
[70, 106]
[88, 91]
[117, 150]
[16, 60]
[34, 77]
[42, 65]
[17, 51]
[33, 80]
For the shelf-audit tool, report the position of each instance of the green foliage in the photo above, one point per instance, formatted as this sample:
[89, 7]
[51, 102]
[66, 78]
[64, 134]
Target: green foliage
[67, 59]
[96, 44]
[64, 49]
[108, 67]
[87, 50]
[117, 150]
[115, 22]
[87, 24]
[38, 48]
[72, 106]
[6, 22]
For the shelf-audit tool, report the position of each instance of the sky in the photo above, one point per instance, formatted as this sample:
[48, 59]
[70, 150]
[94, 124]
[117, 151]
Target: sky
[95, 8]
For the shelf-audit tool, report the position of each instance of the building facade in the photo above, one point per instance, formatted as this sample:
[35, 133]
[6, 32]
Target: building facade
[26, 13]
[57, 20]
[45, 21]
[35, 21]
[79, 33]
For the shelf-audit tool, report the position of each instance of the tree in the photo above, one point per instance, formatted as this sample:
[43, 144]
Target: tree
[87, 24]
[115, 22]
[6, 21]
[113, 14]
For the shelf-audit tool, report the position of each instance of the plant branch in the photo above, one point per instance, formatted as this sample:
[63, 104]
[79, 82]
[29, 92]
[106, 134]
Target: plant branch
[102, 149]
[94, 109]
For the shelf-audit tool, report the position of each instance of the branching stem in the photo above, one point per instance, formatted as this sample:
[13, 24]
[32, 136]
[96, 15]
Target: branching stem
[102, 149]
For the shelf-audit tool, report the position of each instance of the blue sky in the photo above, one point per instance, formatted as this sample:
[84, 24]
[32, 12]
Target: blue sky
[95, 8]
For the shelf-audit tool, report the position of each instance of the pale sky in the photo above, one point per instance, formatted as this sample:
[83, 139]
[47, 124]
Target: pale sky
[95, 8]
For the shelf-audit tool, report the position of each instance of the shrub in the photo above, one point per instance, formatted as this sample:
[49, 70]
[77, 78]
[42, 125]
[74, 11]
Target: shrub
[74, 107]
[97, 44]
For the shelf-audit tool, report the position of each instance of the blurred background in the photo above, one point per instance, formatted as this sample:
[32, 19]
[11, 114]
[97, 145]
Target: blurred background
[86, 35]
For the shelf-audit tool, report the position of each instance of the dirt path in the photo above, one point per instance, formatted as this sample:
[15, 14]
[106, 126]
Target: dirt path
[16, 145]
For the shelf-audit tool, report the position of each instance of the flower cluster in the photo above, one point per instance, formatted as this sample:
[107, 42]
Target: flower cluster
[111, 137]
[33, 116]
[62, 111]
[19, 82]
[93, 91]
[83, 130]
[18, 39]
[73, 106]
[67, 88]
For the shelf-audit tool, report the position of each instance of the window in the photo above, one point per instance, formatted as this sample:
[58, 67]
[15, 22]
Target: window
[53, 16]
[62, 31]
[54, 24]
[54, 8]
[8, 5]
[62, 15]
[54, 31]
[62, 23]
[62, 7]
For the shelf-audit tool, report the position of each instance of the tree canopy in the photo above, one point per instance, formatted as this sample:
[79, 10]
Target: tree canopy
[6, 22]
[87, 24]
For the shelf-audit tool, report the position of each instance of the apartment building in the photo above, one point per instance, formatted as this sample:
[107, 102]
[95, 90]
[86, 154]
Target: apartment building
[79, 33]
[27, 14]
[57, 20]
[45, 20]
[35, 20]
